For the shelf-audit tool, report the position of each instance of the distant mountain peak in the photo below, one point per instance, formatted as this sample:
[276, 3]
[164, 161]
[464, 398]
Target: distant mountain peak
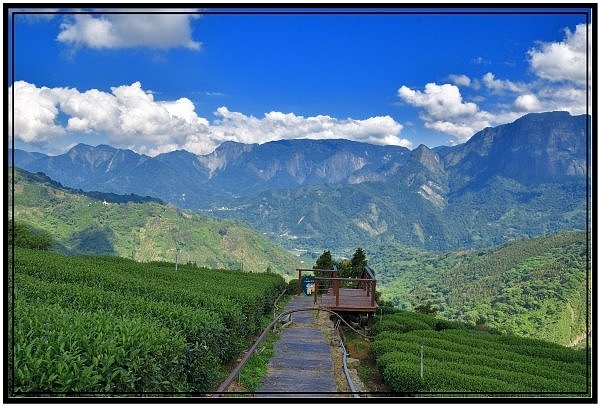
[415, 196]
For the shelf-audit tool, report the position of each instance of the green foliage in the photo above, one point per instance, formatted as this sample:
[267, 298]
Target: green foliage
[352, 268]
[142, 229]
[107, 324]
[251, 376]
[325, 261]
[426, 309]
[465, 360]
[292, 286]
[372, 213]
[404, 321]
[358, 262]
[401, 375]
[533, 287]
[65, 350]
[26, 237]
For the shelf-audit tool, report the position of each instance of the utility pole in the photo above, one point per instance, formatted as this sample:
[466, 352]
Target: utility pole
[422, 360]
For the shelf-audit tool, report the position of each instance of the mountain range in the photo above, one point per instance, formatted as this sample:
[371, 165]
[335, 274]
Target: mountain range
[232, 170]
[526, 178]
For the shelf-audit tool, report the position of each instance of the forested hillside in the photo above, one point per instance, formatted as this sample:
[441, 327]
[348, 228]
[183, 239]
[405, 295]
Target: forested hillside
[142, 229]
[522, 179]
[535, 287]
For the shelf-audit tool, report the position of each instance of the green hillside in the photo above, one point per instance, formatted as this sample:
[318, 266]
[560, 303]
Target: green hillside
[533, 288]
[144, 231]
[420, 353]
[103, 324]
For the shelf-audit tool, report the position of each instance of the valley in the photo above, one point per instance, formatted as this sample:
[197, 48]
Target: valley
[206, 203]
[519, 180]
[493, 232]
[143, 231]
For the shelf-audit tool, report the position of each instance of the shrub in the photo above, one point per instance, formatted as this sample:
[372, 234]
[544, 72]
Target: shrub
[27, 237]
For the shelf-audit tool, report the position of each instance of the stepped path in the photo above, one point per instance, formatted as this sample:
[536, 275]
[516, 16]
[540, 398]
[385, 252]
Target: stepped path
[302, 361]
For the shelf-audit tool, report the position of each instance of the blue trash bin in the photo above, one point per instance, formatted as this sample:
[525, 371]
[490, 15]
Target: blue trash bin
[308, 284]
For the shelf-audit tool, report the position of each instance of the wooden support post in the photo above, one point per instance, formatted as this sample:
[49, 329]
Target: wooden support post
[299, 278]
[373, 292]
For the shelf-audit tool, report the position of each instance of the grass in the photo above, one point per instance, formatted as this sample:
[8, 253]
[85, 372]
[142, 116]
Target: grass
[368, 373]
[256, 368]
[251, 376]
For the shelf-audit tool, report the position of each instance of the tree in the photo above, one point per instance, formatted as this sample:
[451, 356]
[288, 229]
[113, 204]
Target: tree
[324, 261]
[344, 268]
[358, 262]
[426, 309]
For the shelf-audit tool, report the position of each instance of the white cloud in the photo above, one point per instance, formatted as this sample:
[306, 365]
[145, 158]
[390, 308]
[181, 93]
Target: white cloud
[480, 60]
[565, 60]
[563, 98]
[276, 125]
[90, 111]
[440, 101]
[107, 31]
[236, 126]
[527, 102]
[462, 131]
[41, 14]
[561, 84]
[561, 67]
[499, 86]
[445, 110]
[130, 117]
[35, 113]
[460, 80]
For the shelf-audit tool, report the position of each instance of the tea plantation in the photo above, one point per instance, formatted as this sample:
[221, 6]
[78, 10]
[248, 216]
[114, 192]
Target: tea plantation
[457, 358]
[106, 325]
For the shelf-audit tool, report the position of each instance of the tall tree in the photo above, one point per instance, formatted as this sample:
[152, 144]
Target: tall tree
[358, 262]
[325, 261]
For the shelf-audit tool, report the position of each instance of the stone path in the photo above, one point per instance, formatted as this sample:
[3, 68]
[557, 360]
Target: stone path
[301, 365]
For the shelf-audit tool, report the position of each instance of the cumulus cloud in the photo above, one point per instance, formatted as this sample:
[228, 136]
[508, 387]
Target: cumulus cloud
[565, 60]
[528, 102]
[561, 84]
[460, 80]
[499, 86]
[34, 121]
[107, 31]
[277, 125]
[445, 109]
[440, 101]
[130, 117]
[564, 82]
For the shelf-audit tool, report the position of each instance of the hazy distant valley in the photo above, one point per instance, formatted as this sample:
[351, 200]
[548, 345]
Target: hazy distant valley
[522, 179]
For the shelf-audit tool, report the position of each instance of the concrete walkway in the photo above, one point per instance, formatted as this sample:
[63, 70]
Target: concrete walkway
[302, 365]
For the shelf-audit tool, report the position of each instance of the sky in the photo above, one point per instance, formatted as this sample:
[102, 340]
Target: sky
[156, 81]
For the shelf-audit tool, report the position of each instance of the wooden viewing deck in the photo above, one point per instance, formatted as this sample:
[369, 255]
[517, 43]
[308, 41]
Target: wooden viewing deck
[343, 294]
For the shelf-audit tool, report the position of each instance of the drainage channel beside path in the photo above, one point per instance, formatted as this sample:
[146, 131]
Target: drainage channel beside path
[302, 364]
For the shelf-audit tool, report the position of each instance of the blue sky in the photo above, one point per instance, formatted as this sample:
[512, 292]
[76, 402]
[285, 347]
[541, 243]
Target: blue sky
[159, 82]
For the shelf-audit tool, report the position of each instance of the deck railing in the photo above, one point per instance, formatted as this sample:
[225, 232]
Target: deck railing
[330, 285]
[316, 273]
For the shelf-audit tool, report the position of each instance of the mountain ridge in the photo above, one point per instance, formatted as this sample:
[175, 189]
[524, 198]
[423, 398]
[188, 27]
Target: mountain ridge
[357, 190]
[144, 229]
